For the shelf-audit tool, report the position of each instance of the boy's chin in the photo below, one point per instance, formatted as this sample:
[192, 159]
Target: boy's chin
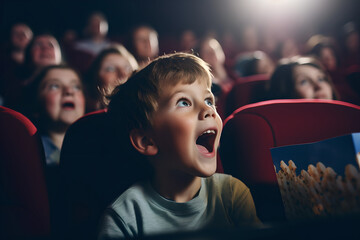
[208, 172]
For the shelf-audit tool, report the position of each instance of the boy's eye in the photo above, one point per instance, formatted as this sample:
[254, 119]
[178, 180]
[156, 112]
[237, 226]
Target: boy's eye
[183, 103]
[209, 102]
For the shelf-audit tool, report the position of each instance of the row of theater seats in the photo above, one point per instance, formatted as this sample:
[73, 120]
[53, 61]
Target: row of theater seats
[253, 89]
[95, 167]
[246, 90]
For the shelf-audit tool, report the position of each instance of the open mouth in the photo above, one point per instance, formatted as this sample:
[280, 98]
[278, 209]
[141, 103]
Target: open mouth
[68, 105]
[205, 142]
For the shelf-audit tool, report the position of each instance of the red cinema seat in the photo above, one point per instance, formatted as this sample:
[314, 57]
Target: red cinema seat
[24, 209]
[245, 91]
[252, 130]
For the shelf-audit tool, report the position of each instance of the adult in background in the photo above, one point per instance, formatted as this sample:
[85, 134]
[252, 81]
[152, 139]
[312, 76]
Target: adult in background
[144, 44]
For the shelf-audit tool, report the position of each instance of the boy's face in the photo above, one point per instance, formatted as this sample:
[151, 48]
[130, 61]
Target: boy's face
[186, 130]
[62, 96]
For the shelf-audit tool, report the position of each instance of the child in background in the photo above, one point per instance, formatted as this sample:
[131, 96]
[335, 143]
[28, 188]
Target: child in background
[113, 66]
[55, 99]
[169, 114]
[301, 77]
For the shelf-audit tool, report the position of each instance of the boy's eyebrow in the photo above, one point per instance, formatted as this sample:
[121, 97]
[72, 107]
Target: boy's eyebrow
[207, 91]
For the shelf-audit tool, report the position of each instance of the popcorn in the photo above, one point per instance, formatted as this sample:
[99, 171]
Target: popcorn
[319, 191]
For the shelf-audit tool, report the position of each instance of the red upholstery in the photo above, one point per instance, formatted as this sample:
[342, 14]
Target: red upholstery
[245, 91]
[24, 200]
[252, 130]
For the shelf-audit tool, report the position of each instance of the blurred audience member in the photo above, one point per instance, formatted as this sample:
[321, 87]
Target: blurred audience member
[145, 44]
[324, 49]
[42, 51]
[211, 52]
[270, 41]
[54, 100]
[110, 68]
[287, 48]
[249, 39]
[351, 45]
[95, 35]
[253, 63]
[229, 43]
[301, 77]
[12, 54]
[188, 41]
[21, 35]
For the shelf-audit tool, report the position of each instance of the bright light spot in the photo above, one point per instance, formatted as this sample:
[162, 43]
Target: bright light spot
[279, 8]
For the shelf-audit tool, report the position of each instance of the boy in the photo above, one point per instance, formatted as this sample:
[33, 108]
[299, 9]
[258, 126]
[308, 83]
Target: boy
[168, 109]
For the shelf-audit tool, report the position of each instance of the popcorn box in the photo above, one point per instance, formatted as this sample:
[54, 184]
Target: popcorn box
[320, 178]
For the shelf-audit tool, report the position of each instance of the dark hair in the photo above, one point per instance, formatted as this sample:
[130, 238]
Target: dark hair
[246, 64]
[282, 82]
[317, 43]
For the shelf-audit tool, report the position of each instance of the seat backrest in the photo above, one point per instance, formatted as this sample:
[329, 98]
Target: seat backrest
[24, 199]
[94, 170]
[252, 130]
[245, 91]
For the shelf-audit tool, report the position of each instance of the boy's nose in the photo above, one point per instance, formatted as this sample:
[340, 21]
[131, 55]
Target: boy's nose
[207, 112]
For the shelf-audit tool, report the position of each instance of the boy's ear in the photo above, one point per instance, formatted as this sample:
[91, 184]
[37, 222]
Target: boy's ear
[142, 142]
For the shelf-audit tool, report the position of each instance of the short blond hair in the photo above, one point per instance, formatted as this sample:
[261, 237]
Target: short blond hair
[134, 102]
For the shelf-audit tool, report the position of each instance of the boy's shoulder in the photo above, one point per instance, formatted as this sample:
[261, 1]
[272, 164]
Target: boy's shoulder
[226, 187]
[224, 180]
[136, 193]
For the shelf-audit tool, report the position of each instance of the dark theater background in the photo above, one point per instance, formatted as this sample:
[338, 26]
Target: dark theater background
[170, 17]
